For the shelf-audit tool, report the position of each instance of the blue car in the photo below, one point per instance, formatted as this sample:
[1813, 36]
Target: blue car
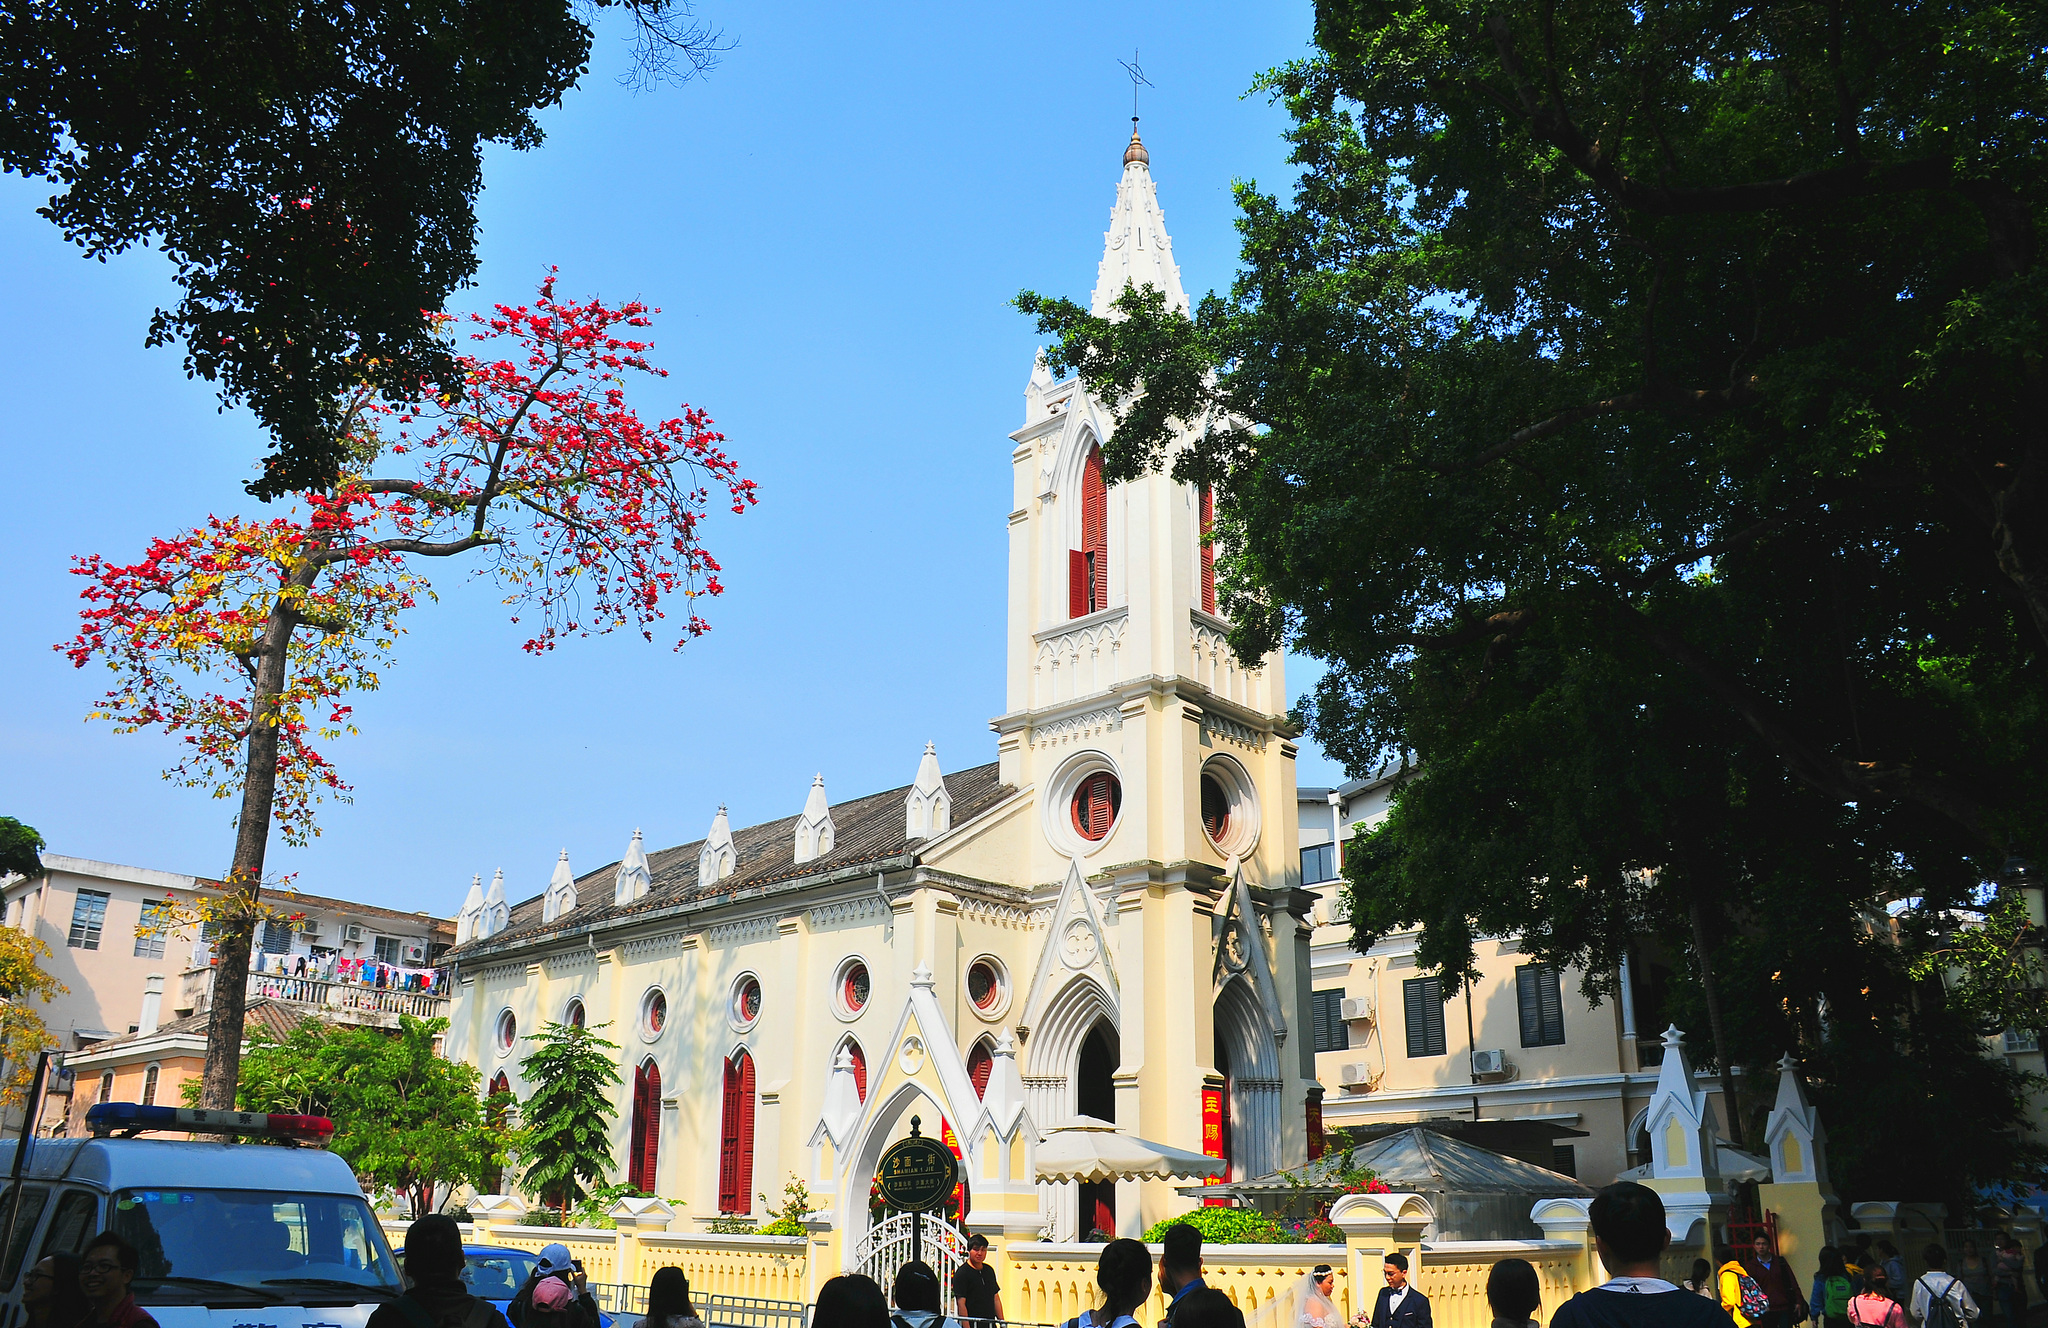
[496, 1272]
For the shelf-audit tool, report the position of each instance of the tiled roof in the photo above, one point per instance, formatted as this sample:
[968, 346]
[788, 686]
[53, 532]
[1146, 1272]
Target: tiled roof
[865, 830]
[277, 1018]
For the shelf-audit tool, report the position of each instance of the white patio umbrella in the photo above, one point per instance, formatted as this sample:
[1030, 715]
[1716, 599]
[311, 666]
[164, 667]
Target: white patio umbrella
[1091, 1149]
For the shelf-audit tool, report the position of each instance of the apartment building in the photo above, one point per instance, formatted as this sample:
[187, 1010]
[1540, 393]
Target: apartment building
[1521, 1044]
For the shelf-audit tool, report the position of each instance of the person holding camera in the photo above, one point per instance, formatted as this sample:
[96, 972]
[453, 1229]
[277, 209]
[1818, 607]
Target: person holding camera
[557, 1295]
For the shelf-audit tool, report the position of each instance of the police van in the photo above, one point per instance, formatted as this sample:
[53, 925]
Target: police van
[231, 1235]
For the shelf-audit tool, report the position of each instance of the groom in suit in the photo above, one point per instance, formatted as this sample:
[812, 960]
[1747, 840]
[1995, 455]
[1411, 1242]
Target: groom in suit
[1400, 1305]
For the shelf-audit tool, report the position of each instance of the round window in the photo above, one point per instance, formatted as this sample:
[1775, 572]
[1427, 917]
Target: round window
[654, 1013]
[1097, 799]
[508, 1030]
[984, 985]
[746, 1000]
[1215, 808]
[853, 990]
[574, 1015]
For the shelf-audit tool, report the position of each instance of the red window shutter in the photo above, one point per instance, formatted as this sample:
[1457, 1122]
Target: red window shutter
[1077, 583]
[638, 1148]
[1095, 529]
[1208, 550]
[860, 1069]
[979, 1063]
[649, 1152]
[729, 1146]
[745, 1202]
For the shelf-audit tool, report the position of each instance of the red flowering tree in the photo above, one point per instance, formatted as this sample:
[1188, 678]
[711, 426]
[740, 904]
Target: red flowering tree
[244, 638]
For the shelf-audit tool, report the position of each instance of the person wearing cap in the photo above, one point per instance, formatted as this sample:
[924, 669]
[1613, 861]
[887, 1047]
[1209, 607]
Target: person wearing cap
[437, 1296]
[556, 1265]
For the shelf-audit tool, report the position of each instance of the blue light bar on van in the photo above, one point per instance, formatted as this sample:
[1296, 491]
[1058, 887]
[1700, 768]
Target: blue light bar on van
[130, 1118]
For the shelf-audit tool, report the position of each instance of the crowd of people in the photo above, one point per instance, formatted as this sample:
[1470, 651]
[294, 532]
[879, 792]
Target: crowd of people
[1864, 1285]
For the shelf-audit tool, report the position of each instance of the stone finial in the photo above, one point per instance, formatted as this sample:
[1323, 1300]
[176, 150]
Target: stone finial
[718, 857]
[1135, 154]
[496, 914]
[472, 911]
[841, 1111]
[1682, 1145]
[561, 895]
[928, 807]
[634, 879]
[1795, 1138]
[814, 825]
[921, 976]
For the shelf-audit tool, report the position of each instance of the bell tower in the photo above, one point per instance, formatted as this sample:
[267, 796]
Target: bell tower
[1163, 776]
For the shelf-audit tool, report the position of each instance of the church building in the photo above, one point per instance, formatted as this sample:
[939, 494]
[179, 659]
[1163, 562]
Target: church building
[1105, 921]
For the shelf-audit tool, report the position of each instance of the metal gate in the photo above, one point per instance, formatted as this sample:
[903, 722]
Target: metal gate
[886, 1248]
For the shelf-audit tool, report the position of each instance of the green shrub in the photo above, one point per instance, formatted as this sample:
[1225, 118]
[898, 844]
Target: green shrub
[1225, 1226]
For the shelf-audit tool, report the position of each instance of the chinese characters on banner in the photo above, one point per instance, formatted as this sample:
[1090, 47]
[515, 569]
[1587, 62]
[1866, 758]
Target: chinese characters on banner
[1315, 1128]
[958, 1205]
[1212, 1141]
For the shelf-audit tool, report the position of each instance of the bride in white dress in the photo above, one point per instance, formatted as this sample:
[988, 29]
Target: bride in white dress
[1305, 1304]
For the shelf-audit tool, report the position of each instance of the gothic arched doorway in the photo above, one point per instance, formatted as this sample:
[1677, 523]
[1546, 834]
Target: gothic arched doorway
[1095, 1095]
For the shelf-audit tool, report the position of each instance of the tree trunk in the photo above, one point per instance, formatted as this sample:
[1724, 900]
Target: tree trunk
[252, 837]
[1705, 955]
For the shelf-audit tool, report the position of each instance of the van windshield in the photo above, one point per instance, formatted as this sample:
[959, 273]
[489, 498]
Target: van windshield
[298, 1249]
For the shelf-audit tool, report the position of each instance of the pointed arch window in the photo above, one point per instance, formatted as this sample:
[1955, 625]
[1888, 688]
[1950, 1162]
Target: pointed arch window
[1208, 550]
[1088, 566]
[646, 1146]
[979, 1063]
[736, 1122]
[860, 1068]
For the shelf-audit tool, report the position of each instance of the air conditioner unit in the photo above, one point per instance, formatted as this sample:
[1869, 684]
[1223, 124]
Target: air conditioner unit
[1355, 1074]
[1490, 1062]
[413, 952]
[309, 926]
[352, 933]
[1357, 1007]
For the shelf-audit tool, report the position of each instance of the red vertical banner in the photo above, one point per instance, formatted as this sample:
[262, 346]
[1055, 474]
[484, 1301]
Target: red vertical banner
[1212, 1141]
[1315, 1128]
[952, 1143]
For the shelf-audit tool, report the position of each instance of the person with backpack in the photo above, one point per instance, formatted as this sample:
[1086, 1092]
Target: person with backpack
[1124, 1272]
[437, 1297]
[916, 1293]
[1832, 1290]
[1871, 1308]
[1745, 1301]
[1940, 1300]
[1780, 1284]
[1893, 1269]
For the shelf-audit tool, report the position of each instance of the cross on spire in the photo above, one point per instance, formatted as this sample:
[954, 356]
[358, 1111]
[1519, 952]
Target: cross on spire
[1137, 77]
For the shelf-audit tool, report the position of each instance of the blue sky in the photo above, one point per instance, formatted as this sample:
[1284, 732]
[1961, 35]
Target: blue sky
[833, 224]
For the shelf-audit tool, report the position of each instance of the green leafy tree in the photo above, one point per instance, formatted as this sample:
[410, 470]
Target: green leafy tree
[405, 1118]
[20, 846]
[566, 1146]
[24, 984]
[1633, 408]
[310, 169]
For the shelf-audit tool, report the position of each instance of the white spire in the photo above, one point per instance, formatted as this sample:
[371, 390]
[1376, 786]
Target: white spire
[718, 857]
[634, 880]
[561, 895]
[496, 914]
[927, 808]
[1797, 1141]
[1137, 250]
[472, 911]
[814, 826]
[1682, 1143]
[842, 1099]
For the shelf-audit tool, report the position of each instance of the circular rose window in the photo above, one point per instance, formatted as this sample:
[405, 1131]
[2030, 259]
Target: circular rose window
[508, 1030]
[746, 1000]
[984, 985]
[574, 1015]
[653, 1013]
[1097, 799]
[853, 989]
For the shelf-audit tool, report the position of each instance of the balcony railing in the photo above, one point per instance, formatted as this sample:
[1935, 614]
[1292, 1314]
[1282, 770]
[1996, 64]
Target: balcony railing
[350, 1001]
